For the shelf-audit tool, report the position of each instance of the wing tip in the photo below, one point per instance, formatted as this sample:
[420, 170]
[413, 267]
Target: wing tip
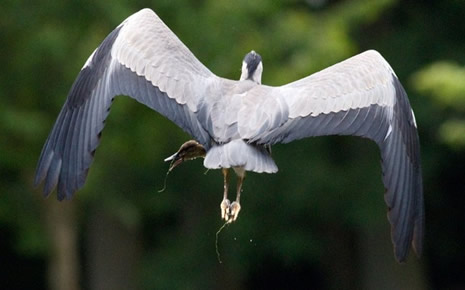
[413, 240]
[50, 175]
[401, 253]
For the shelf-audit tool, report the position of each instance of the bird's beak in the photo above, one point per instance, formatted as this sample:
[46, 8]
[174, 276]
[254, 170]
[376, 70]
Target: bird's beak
[171, 157]
[175, 159]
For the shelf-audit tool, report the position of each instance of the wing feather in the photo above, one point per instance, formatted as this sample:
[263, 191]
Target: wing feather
[141, 58]
[360, 96]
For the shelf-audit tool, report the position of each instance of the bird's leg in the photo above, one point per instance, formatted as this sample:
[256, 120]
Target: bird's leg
[236, 206]
[225, 204]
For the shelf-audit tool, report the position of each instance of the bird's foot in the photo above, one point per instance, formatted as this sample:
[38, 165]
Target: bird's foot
[229, 211]
[234, 211]
[225, 207]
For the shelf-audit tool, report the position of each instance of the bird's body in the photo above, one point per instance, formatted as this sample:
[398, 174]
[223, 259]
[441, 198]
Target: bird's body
[236, 122]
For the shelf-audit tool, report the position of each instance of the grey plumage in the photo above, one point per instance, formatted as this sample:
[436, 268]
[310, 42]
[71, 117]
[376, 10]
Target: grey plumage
[237, 120]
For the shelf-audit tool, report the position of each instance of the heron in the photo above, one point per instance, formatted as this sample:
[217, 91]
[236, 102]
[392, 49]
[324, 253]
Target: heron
[234, 123]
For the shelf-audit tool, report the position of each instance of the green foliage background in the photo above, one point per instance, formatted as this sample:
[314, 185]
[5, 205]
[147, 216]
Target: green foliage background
[305, 224]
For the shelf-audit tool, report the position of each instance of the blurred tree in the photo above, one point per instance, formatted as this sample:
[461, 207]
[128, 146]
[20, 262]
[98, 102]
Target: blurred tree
[443, 81]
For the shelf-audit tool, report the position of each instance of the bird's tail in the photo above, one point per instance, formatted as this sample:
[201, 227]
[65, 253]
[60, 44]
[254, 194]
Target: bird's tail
[238, 153]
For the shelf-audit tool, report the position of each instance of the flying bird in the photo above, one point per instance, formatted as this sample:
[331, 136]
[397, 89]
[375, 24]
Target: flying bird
[234, 123]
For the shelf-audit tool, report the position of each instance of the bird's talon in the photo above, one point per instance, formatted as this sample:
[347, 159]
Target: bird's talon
[225, 207]
[234, 210]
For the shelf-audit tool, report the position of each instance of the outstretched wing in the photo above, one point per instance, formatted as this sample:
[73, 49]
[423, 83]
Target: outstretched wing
[360, 96]
[143, 59]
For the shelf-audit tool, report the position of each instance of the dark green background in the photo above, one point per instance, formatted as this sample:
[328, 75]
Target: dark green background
[320, 222]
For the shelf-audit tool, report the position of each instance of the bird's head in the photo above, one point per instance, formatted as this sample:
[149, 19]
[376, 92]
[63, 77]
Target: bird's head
[252, 67]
